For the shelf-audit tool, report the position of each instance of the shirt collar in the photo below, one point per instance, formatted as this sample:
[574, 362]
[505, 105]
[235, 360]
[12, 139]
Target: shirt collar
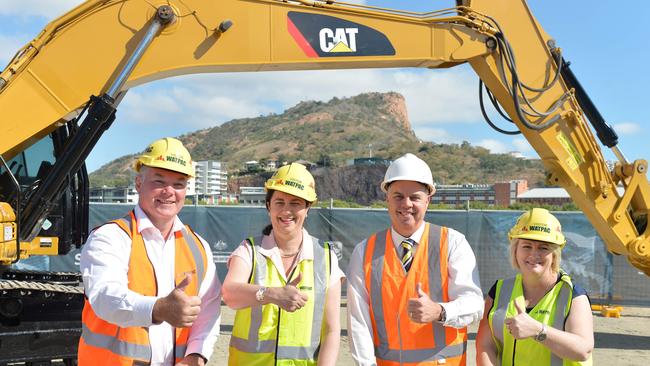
[416, 236]
[144, 223]
[269, 246]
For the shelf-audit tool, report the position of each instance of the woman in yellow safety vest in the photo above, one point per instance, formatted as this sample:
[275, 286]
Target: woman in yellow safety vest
[284, 284]
[538, 317]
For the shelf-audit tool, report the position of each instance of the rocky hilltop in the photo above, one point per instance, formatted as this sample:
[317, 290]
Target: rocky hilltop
[330, 133]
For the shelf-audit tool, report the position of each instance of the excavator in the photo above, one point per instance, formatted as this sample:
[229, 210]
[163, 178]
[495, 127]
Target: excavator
[61, 91]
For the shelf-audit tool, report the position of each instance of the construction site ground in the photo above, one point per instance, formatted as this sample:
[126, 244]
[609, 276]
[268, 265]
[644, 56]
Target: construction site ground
[619, 341]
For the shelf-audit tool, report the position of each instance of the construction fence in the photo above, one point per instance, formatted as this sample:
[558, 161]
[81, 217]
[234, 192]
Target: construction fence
[609, 279]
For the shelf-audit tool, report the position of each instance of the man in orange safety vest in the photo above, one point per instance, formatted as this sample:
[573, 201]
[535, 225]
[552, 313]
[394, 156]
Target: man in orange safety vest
[412, 288]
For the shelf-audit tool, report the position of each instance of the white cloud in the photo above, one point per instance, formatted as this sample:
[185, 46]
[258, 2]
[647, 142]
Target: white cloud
[495, 147]
[432, 96]
[45, 8]
[436, 135]
[523, 146]
[627, 128]
[147, 108]
[8, 48]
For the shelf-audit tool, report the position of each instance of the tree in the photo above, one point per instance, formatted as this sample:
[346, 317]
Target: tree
[324, 160]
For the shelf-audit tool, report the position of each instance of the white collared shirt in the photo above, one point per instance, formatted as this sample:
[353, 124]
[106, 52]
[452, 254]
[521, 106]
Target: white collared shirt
[104, 267]
[269, 249]
[464, 308]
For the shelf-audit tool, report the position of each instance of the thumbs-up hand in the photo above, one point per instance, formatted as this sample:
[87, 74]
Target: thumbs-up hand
[522, 326]
[422, 309]
[177, 308]
[521, 308]
[289, 298]
[186, 278]
[295, 281]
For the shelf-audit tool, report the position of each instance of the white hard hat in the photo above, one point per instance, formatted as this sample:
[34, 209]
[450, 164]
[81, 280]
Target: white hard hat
[409, 167]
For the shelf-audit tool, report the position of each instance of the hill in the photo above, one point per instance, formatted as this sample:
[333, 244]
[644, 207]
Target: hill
[331, 133]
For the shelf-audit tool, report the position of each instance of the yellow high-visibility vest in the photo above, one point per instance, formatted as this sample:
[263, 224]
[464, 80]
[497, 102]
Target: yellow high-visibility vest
[551, 310]
[267, 335]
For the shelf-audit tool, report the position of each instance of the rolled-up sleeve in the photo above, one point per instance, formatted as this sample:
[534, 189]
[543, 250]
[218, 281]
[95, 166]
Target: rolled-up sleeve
[205, 329]
[466, 305]
[359, 324]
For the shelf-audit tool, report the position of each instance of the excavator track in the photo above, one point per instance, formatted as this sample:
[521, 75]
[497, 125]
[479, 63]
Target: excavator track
[40, 317]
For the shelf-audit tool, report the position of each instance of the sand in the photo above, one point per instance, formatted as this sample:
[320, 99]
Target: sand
[619, 341]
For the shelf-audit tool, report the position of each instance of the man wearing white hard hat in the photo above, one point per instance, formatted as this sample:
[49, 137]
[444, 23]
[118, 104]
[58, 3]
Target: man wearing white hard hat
[152, 293]
[413, 288]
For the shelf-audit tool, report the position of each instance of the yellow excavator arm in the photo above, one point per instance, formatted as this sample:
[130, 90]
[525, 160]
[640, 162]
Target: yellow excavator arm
[89, 51]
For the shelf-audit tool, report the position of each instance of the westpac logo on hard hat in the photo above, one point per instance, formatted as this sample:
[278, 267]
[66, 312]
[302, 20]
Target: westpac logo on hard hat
[537, 227]
[292, 183]
[172, 159]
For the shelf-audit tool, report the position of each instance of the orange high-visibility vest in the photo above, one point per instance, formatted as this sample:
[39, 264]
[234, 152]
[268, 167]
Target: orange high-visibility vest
[104, 343]
[397, 339]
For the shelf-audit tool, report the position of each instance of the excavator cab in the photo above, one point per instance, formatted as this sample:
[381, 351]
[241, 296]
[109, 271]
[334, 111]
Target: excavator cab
[44, 92]
[68, 218]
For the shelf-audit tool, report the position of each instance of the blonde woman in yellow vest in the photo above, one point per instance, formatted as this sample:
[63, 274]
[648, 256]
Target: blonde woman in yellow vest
[152, 293]
[285, 284]
[538, 317]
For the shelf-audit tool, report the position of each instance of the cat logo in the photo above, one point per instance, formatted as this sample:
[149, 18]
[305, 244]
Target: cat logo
[338, 40]
[326, 36]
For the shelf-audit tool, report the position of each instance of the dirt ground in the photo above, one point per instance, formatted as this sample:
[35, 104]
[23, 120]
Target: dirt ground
[619, 341]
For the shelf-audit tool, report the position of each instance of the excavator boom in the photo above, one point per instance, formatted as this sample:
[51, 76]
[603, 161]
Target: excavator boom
[61, 90]
[50, 80]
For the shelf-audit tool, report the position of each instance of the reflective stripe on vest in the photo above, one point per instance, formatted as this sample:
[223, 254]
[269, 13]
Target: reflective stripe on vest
[556, 304]
[103, 343]
[117, 346]
[430, 262]
[281, 347]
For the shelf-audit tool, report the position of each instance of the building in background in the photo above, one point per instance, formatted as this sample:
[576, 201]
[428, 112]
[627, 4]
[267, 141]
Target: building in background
[125, 194]
[545, 196]
[551, 196]
[272, 164]
[460, 194]
[210, 184]
[498, 194]
[113, 194]
[251, 165]
[252, 195]
[369, 161]
[506, 193]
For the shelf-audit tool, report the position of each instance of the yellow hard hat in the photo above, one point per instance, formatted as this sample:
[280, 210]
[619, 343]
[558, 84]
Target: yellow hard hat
[295, 180]
[538, 224]
[167, 153]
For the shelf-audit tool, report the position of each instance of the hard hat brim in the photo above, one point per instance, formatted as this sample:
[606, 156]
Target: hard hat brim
[189, 172]
[385, 184]
[536, 237]
[290, 190]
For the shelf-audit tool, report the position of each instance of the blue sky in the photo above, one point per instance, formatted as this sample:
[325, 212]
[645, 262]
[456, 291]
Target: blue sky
[607, 44]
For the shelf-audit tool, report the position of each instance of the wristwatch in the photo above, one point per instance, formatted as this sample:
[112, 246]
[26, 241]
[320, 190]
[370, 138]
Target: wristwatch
[205, 360]
[259, 295]
[443, 315]
[541, 336]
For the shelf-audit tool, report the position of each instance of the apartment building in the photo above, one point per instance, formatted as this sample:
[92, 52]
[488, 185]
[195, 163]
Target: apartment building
[113, 194]
[210, 181]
